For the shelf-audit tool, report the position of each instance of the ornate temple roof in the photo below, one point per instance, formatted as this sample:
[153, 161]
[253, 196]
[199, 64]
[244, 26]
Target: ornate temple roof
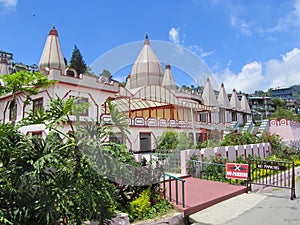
[223, 98]
[52, 57]
[208, 95]
[168, 79]
[147, 69]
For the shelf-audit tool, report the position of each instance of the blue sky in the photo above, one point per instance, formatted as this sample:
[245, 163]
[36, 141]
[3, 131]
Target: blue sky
[248, 45]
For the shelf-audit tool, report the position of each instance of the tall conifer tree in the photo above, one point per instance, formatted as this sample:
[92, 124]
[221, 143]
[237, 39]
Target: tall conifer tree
[77, 61]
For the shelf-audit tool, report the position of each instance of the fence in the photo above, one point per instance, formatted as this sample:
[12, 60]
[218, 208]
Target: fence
[279, 174]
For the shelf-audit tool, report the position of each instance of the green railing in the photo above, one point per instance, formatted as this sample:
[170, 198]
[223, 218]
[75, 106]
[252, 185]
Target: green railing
[171, 177]
[207, 170]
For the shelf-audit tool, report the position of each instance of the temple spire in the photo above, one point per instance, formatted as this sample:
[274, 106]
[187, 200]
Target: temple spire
[147, 70]
[168, 80]
[208, 95]
[223, 99]
[245, 105]
[234, 101]
[146, 42]
[52, 57]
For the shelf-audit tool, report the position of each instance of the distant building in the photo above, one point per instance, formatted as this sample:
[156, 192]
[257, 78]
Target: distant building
[6, 58]
[285, 93]
[261, 106]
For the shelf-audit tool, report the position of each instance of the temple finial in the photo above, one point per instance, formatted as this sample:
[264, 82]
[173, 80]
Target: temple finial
[146, 42]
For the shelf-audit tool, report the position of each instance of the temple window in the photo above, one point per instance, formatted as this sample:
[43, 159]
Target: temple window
[12, 113]
[37, 104]
[81, 105]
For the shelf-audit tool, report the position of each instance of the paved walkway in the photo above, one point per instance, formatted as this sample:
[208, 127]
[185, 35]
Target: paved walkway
[201, 194]
[268, 206]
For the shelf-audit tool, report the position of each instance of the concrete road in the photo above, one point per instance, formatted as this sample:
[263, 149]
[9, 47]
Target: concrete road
[269, 207]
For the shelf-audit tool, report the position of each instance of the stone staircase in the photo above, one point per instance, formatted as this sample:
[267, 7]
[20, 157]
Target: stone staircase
[249, 127]
[234, 125]
[264, 126]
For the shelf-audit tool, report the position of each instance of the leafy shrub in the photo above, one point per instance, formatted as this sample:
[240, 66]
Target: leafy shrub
[236, 138]
[171, 140]
[140, 207]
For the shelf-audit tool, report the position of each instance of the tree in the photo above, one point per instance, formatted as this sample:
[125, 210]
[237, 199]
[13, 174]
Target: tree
[81, 178]
[77, 61]
[282, 113]
[171, 140]
[278, 103]
[23, 83]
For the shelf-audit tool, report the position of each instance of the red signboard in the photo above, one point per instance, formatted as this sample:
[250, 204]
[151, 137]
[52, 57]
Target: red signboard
[237, 171]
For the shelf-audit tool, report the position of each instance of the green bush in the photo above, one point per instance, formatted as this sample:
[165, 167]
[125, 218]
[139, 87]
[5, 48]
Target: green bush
[140, 207]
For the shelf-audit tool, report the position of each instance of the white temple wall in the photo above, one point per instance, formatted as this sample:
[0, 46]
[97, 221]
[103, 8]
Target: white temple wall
[240, 118]
[215, 117]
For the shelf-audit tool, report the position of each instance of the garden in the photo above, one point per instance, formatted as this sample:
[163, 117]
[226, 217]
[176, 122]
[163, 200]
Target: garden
[72, 177]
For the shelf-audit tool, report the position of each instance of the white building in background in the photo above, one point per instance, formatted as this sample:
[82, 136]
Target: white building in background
[150, 99]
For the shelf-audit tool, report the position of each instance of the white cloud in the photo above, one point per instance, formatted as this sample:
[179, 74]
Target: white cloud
[248, 80]
[284, 23]
[240, 25]
[262, 76]
[285, 71]
[9, 3]
[174, 35]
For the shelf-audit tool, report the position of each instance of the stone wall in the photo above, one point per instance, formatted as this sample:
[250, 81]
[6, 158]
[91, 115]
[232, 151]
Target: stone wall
[175, 219]
[231, 152]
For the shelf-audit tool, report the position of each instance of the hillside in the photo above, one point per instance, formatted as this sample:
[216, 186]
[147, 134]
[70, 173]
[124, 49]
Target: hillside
[296, 91]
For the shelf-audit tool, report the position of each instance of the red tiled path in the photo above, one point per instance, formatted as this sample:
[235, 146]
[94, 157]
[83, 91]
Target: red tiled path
[200, 194]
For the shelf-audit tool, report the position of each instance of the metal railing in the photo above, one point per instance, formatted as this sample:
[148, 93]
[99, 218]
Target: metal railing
[171, 178]
[271, 173]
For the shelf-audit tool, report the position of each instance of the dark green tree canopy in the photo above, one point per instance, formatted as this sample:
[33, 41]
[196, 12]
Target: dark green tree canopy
[77, 61]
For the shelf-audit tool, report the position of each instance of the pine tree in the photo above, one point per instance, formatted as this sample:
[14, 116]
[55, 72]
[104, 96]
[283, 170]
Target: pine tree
[77, 61]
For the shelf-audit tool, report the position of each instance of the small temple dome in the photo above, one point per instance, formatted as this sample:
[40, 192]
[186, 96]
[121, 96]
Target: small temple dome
[147, 70]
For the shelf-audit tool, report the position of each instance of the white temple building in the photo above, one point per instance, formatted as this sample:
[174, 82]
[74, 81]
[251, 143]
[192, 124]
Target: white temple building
[150, 99]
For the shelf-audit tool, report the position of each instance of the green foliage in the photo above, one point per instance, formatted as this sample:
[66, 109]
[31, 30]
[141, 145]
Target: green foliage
[282, 113]
[278, 103]
[118, 118]
[28, 83]
[140, 207]
[24, 81]
[41, 183]
[51, 181]
[236, 138]
[171, 140]
[149, 204]
[77, 61]
[296, 91]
